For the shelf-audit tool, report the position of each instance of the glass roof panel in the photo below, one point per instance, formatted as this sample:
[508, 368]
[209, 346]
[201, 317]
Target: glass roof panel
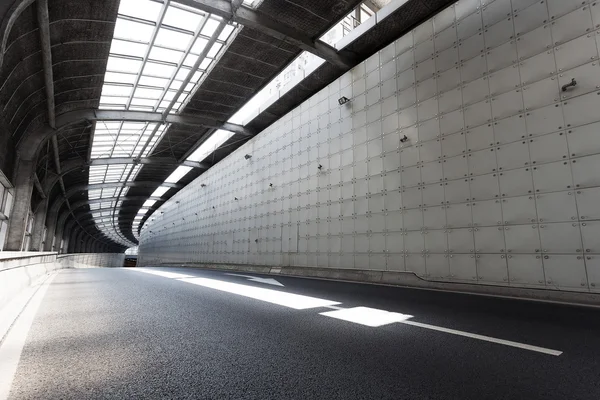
[199, 45]
[182, 19]
[133, 30]
[152, 81]
[179, 173]
[113, 100]
[143, 9]
[173, 39]
[160, 70]
[214, 50]
[149, 203]
[143, 102]
[167, 55]
[160, 191]
[224, 36]
[210, 145]
[147, 93]
[114, 90]
[210, 27]
[190, 60]
[128, 48]
[115, 77]
[143, 78]
[120, 64]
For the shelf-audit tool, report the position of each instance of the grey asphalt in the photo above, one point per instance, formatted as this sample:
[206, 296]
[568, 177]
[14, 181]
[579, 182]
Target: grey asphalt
[123, 334]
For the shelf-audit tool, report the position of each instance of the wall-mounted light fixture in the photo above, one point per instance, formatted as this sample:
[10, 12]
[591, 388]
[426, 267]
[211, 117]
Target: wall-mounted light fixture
[343, 100]
[202, 185]
[573, 83]
[270, 185]
[404, 139]
[320, 167]
[247, 156]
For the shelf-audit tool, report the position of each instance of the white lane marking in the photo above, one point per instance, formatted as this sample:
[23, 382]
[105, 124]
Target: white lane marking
[12, 346]
[300, 302]
[164, 274]
[335, 307]
[296, 301]
[367, 316]
[485, 338]
[268, 281]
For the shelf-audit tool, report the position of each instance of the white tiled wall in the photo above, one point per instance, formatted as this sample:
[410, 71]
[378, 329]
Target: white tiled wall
[498, 183]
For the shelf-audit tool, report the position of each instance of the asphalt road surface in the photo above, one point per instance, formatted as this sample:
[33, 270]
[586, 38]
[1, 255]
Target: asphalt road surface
[130, 333]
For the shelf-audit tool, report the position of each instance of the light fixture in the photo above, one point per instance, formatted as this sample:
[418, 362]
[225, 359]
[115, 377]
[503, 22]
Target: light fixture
[343, 100]
[573, 83]
[202, 185]
[320, 167]
[247, 156]
[404, 139]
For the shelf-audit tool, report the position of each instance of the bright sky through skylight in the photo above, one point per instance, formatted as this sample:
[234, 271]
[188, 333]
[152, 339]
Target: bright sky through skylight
[154, 47]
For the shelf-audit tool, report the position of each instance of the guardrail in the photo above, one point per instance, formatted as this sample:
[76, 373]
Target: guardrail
[19, 270]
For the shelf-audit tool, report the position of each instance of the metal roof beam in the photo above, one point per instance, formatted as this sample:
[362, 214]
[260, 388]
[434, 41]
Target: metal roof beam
[79, 164]
[95, 186]
[161, 161]
[267, 25]
[38, 186]
[31, 143]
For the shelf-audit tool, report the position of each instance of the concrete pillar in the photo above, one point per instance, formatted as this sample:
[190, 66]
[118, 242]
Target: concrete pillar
[79, 243]
[51, 220]
[64, 240]
[74, 233]
[89, 244]
[60, 231]
[37, 236]
[84, 243]
[65, 243]
[17, 224]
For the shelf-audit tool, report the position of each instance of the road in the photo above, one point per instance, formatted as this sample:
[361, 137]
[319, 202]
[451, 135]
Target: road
[175, 333]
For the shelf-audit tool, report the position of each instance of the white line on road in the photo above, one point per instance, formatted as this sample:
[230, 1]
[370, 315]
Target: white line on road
[10, 351]
[303, 302]
[485, 338]
[268, 281]
[334, 307]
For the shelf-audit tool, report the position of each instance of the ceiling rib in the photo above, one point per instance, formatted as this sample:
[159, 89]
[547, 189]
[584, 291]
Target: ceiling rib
[31, 144]
[269, 26]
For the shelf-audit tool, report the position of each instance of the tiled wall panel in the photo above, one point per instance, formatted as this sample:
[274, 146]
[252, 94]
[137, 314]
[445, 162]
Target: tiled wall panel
[498, 182]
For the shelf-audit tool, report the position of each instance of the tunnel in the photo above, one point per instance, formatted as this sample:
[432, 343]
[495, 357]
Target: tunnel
[299, 199]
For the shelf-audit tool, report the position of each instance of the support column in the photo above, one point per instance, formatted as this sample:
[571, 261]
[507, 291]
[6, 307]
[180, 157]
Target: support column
[62, 249]
[39, 225]
[65, 244]
[17, 224]
[51, 232]
[84, 242]
[72, 239]
[79, 242]
[60, 232]
[88, 244]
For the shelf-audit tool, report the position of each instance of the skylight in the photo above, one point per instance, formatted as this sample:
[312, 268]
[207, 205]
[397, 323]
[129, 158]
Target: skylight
[179, 173]
[160, 191]
[207, 148]
[210, 145]
[158, 57]
[301, 67]
[157, 44]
